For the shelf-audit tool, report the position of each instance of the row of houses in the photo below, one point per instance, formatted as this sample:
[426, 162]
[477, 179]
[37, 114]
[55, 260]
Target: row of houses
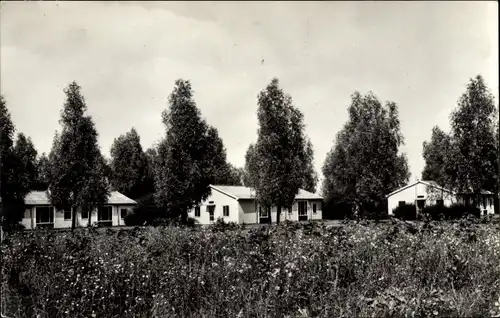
[235, 204]
[230, 203]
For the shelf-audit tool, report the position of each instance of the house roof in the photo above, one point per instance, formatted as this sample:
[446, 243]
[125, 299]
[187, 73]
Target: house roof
[427, 183]
[42, 198]
[244, 193]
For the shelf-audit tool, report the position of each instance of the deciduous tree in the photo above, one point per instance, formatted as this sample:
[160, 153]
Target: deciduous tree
[129, 166]
[43, 173]
[365, 163]
[26, 154]
[282, 153]
[467, 160]
[79, 174]
[475, 160]
[190, 156]
[13, 184]
[436, 154]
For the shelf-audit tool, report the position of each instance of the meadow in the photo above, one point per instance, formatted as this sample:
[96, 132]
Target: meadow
[292, 270]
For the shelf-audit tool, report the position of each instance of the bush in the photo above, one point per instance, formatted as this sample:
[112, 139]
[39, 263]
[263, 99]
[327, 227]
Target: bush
[405, 212]
[222, 226]
[454, 212]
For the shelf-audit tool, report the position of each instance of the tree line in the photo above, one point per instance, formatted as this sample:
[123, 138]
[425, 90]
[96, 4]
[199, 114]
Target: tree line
[364, 164]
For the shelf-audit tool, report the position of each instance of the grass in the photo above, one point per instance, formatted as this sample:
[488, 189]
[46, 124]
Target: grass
[359, 269]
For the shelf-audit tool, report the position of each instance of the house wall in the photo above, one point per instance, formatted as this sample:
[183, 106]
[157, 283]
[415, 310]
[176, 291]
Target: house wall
[60, 222]
[247, 212]
[219, 200]
[250, 213]
[409, 195]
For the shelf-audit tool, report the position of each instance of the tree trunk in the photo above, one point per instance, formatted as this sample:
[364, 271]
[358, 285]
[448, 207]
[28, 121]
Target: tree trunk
[73, 218]
[184, 215]
[89, 213]
[270, 215]
[278, 213]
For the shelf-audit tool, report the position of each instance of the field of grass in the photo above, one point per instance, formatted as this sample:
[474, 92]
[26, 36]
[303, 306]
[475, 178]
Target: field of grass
[359, 269]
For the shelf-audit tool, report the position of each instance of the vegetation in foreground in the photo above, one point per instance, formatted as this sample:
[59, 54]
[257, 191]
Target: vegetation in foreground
[360, 269]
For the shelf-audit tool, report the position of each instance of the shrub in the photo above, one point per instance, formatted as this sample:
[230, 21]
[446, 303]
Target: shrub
[405, 212]
[222, 226]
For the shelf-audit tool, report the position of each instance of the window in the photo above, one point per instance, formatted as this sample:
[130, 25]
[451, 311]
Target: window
[44, 215]
[123, 213]
[197, 211]
[290, 209]
[402, 203]
[225, 210]
[303, 208]
[67, 214]
[440, 202]
[104, 214]
[85, 214]
[314, 208]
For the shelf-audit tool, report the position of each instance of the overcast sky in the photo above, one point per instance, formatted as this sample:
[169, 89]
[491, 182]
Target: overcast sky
[126, 56]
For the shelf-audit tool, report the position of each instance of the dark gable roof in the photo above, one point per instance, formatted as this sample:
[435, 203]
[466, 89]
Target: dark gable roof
[42, 198]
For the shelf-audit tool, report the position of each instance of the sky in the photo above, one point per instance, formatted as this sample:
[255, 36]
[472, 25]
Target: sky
[126, 57]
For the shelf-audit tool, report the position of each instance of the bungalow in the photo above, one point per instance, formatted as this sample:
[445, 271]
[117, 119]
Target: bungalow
[237, 204]
[426, 193]
[40, 213]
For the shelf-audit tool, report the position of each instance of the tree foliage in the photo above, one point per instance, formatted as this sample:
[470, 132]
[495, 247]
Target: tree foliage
[277, 163]
[190, 157]
[476, 154]
[436, 153]
[130, 166]
[15, 180]
[42, 173]
[26, 156]
[365, 164]
[467, 160]
[79, 173]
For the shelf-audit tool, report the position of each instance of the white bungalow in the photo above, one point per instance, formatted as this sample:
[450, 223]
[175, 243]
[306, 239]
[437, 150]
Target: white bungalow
[40, 213]
[426, 193]
[237, 204]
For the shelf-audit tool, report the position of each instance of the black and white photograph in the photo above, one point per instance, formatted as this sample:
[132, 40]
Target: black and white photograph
[249, 159]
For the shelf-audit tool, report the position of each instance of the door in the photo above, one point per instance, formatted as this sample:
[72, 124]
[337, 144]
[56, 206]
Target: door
[264, 215]
[211, 212]
[302, 210]
[104, 216]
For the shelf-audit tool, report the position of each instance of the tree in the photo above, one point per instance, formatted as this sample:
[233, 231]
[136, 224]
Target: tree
[224, 173]
[282, 152]
[235, 177]
[365, 164]
[79, 174]
[129, 166]
[42, 173]
[13, 187]
[436, 153]
[475, 160]
[251, 170]
[189, 157]
[467, 160]
[26, 154]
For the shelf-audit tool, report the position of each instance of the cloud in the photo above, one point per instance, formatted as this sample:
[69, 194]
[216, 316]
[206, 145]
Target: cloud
[127, 55]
